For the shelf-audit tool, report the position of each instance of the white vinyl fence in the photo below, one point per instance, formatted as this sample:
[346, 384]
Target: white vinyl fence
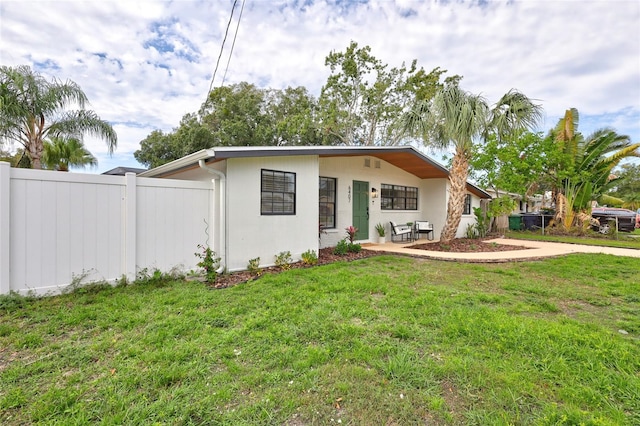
[56, 227]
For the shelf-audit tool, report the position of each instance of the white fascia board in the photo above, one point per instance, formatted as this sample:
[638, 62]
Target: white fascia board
[180, 163]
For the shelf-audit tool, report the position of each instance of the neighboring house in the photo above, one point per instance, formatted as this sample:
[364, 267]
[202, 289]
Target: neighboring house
[268, 200]
[530, 204]
[121, 171]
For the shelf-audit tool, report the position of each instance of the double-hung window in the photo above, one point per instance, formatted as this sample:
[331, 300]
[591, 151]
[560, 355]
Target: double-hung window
[327, 205]
[398, 197]
[467, 204]
[278, 193]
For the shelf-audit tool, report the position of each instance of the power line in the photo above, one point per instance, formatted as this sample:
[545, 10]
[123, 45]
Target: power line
[235, 2]
[233, 44]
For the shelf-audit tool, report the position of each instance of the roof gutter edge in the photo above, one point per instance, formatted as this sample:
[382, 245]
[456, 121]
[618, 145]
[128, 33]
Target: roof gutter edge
[180, 163]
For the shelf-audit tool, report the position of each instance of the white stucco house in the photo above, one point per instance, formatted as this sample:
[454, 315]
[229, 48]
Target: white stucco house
[523, 204]
[273, 199]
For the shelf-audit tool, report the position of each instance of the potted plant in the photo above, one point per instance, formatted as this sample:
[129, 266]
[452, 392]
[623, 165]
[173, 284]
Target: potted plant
[381, 233]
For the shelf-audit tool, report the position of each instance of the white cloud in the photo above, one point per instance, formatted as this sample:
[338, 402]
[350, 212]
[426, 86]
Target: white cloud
[145, 64]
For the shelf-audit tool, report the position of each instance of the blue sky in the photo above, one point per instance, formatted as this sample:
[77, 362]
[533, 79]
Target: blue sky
[144, 64]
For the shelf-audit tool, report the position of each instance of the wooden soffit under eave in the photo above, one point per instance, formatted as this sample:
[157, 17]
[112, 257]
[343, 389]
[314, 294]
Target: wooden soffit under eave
[413, 164]
[406, 161]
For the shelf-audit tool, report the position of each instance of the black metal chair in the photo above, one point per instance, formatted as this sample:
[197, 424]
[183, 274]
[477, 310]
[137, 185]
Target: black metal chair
[424, 227]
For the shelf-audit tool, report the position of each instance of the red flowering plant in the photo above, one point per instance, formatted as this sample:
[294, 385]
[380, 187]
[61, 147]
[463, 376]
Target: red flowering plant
[351, 232]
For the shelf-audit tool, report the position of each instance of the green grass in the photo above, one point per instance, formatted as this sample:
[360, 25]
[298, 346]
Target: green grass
[625, 240]
[386, 340]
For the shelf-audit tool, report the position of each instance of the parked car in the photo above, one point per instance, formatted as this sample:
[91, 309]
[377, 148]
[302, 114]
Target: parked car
[627, 220]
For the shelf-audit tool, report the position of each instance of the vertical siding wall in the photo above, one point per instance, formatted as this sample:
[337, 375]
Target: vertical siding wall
[58, 227]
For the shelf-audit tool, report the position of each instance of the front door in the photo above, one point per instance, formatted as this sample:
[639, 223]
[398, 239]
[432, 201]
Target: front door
[361, 209]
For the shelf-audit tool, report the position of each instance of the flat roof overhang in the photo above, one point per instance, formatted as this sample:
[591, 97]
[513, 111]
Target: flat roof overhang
[406, 158]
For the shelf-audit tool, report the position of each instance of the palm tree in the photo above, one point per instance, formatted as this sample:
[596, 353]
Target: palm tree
[599, 154]
[61, 153]
[453, 119]
[585, 173]
[34, 109]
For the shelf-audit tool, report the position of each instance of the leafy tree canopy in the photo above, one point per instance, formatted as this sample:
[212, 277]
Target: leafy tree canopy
[627, 185]
[518, 164]
[237, 115]
[363, 99]
[359, 105]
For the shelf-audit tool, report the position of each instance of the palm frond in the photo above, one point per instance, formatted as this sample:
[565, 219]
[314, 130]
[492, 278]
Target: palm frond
[608, 200]
[60, 153]
[515, 112]
[75, 123]
[567, 127]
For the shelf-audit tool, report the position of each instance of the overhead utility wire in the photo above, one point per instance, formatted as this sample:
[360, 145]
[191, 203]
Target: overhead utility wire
[221, 49]
[224, 77]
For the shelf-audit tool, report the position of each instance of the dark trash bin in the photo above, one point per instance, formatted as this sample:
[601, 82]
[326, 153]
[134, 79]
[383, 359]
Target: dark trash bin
[515, 222]
[532, 221]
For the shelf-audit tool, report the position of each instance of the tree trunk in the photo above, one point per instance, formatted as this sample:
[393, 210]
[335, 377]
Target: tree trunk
[35, 145]
[35, 155]
[457, 192]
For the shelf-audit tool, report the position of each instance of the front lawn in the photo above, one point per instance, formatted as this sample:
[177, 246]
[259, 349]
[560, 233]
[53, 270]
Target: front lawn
[385, 340]
[622, 240]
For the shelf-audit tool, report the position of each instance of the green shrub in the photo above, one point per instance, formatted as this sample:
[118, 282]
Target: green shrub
[283, 260]
[208, 262]
[341, 248]
[483, 219]
[345, 247]
[354, 248]
[472, 231]
[309, 257]
[254, 267]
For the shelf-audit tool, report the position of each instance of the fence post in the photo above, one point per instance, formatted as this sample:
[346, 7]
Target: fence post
[130, 235]
[5, 227]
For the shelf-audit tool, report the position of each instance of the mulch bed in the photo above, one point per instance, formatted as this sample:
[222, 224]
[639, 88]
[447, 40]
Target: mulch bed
[467, 245]
[326, 256]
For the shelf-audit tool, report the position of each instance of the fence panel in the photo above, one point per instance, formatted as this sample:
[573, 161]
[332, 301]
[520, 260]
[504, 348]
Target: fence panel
[171, 222]
[66, 227]
[62, 228]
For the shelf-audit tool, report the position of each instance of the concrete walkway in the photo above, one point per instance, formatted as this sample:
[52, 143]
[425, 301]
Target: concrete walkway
[535, 250]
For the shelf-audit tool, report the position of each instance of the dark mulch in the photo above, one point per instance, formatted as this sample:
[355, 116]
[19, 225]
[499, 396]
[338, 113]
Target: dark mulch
[325, 256]
[467, 245]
